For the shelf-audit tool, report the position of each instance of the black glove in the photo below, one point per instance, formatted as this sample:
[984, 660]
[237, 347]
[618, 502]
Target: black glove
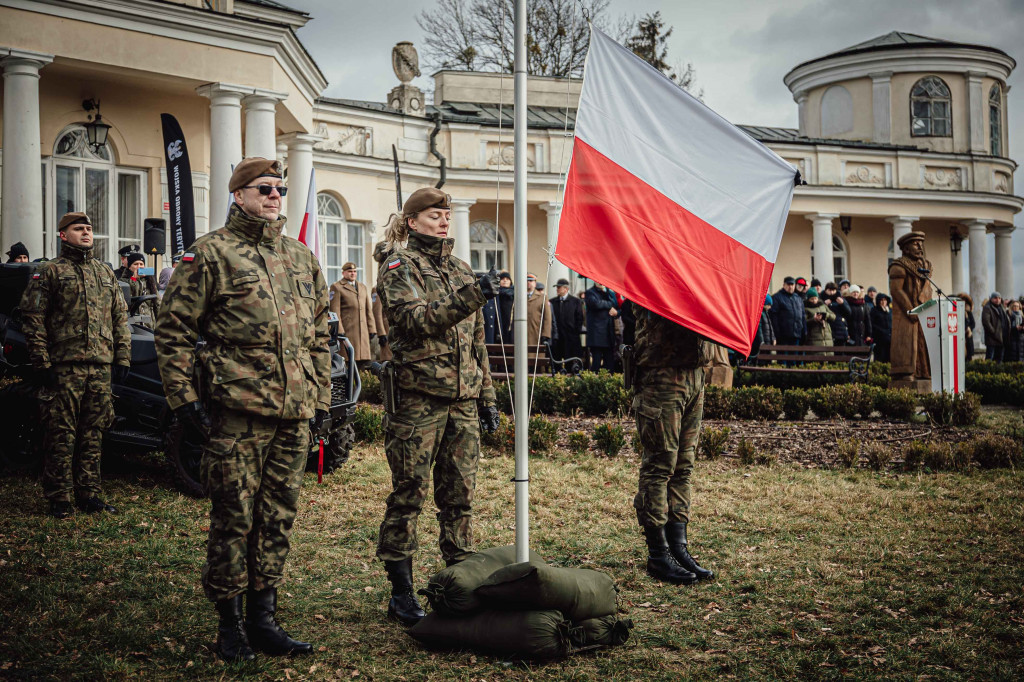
[316, 423]
[373, 336]
[545, 339]
[489, 420]
[383, 339]
[489, 284]
[48, 378]
[119, 373]
[194, 415]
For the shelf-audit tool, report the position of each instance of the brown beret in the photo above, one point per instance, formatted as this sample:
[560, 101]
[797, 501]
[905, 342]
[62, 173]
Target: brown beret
[349, 266]
[73, 218]
[914, 236]
[427, 197]
[251, 168]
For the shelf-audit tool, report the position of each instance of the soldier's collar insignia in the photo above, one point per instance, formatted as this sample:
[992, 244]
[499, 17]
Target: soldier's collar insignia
[188, 257]
[394, 264]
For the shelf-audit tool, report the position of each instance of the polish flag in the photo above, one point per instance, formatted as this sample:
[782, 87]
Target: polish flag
[309, 234]
[669, 204]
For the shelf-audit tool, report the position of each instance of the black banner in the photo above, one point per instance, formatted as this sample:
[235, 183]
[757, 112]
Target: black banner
[179, 185]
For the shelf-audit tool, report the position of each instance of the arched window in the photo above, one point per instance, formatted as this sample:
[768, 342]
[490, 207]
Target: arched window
[836, 111]
[81, 178]
[487, 247]
[995, 120]
[343, 240]
[840, 269]
[930, 111]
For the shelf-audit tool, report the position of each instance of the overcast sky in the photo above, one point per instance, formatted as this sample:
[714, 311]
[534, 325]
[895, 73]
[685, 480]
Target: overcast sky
[740, 49]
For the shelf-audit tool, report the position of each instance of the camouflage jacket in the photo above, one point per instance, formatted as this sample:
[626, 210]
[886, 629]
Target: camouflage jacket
[436, 327]
[661, 343]
[73, 311]
[137, 287]
[259, 301]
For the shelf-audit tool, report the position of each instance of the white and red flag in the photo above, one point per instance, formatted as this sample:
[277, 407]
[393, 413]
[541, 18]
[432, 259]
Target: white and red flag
[668, 203]
[309, 233]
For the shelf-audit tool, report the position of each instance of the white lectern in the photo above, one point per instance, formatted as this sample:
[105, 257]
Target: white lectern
[943, 323]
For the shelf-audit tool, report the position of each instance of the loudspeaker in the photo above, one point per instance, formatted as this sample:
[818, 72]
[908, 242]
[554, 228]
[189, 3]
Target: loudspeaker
[154, 236]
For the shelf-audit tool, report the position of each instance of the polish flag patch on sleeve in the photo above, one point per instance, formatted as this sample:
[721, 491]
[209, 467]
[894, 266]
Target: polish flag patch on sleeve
[35, 275]
[394, 264]
[188, 257]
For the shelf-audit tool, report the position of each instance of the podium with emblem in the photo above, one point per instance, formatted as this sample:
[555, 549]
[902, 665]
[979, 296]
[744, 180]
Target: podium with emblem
[942, 321]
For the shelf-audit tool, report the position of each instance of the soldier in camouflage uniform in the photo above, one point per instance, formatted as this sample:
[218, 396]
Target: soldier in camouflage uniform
[76, 326]
[669, 404]
[433, 304]
[259, 301]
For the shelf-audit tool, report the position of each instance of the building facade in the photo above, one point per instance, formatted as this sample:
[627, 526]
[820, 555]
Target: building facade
[901, 132]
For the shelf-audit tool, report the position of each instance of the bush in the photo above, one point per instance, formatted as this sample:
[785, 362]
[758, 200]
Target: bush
[579, 443]
[549, 394]
[766, 457]
[503, 439]
[756, 402]
[878, 455]
[747, 452]
[960, 456]
[990, 367]
[997, 389]
[896, 403]
[931, 455]
[848, 451]
[960, 409]
[370, 392]
[609, 438]
[638, 447]
[823, 402]
[711, 442]
[543, 434]
[795, 403]
[717, 402]
[596, 394]
[992, 451]
[368, 424]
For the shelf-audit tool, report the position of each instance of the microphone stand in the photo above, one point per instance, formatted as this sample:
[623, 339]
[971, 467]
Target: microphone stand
[923, 273]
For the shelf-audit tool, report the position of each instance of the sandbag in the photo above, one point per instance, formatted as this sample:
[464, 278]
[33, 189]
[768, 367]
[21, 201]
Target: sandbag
[452, 590]
[540, 635]
[605, 631]
[579, 593]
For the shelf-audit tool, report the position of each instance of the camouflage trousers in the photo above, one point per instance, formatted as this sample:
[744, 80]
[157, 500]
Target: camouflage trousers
[439, 434]
[77, 411]
[252, 471]
[668, 405]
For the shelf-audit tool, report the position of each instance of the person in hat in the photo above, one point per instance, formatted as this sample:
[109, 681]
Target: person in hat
[996, 324]
[801, 287]
[869, 297]
[909, 288]
[859, 320]
[787, 314]
[818, 314]
[139, 285]
[18, 253]
[123, 253]
[259, 300]
[567, 320]
[881, 327]
[538, 314]
[76, 331]
[352, 303]
[433, 303]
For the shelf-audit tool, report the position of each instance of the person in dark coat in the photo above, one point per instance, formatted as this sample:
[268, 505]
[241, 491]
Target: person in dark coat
[860, 320]
[628, 321]
[567, 315]
[1015, 334]
[841, 309]
[969, 325]
[490, 311]
[997, 327]
[765, 332]
[503, 309]
[18, 253]
[787, 315]
[602, 309]
[881, 327]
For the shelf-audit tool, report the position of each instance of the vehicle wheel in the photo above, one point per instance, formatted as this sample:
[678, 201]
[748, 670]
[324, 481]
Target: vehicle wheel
[335, 451]
[183, 447]
[21, 443]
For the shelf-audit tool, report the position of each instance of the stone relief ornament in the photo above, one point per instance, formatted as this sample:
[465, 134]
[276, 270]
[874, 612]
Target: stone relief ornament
[506, 156]
[345, 140]
[405, 61]
[943, 178]
[1002, 183]
[865, 175]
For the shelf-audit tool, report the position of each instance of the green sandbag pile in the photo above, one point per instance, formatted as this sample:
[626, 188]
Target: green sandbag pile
[527, 610]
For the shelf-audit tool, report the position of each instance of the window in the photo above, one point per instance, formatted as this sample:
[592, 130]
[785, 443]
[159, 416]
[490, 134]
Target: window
[930, 109]
[85, 179]
[343, 240]
[487, 247]
[836, 111]
[995, 120]
[839, 261]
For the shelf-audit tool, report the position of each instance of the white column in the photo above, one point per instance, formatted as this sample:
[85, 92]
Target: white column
[1004, 261]
[977, 109]
[460, 227]
[22, 208]
[558, 270]
[225, 142]
[978, 263]
[823, 265]
[956, 264]
[901, 225]
[801, 102]
[300, 165]
[261, 123]
[881, 107]
[282, 152]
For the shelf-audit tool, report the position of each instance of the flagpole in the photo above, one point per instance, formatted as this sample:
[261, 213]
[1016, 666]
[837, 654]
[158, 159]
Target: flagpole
[522, 475]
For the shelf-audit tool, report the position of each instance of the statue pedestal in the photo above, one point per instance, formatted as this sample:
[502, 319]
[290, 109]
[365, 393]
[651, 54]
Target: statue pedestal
[921, 386]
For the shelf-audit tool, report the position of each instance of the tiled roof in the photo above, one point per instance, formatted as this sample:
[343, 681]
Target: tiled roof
[898, 40]
[767, 135]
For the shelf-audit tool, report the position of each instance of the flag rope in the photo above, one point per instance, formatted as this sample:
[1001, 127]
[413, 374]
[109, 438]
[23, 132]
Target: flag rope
[497, 213]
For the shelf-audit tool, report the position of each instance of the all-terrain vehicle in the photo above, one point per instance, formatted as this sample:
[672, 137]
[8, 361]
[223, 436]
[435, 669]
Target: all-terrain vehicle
[143, 422]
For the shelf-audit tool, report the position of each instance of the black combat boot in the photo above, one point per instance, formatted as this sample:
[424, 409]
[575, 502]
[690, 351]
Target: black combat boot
[675, 533]
[403, 606]
[232, 643]
[94, 505]
[59, 509]
[660, 563]
[265, 635]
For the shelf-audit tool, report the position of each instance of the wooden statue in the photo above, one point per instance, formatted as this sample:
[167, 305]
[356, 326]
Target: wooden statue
[909, 289]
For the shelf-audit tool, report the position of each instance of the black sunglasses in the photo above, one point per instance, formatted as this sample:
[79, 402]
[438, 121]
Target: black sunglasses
[265, 190]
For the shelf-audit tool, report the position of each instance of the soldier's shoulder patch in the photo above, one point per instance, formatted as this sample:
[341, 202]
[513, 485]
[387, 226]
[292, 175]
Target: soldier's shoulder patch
[188, 256]
[394, 263]
[36, 275]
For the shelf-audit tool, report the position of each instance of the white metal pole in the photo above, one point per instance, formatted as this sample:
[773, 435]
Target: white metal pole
[519, 309]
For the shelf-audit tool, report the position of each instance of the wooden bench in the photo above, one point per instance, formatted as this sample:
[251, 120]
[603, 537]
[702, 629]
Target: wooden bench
[538, 361]
[857, 360]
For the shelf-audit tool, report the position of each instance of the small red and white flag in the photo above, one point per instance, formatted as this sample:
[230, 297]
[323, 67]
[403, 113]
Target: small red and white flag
[309, 233]
[669, 204]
